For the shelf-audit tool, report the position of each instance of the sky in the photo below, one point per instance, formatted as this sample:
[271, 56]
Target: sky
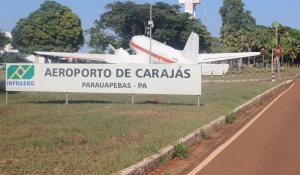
[265, 12]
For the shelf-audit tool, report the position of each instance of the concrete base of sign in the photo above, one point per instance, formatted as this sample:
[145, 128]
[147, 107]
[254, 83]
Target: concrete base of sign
[214, 69]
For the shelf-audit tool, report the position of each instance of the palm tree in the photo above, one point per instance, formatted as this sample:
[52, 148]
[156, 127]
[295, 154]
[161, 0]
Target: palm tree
[291, 48]
[276, 26]
[263, 44]
[278, 31]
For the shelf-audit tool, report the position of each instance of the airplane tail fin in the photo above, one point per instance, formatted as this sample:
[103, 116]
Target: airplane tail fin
[191, 49]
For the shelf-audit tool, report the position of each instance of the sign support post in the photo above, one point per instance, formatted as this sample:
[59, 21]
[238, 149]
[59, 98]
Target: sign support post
[6, 98]
[132, 98]
[67, 98]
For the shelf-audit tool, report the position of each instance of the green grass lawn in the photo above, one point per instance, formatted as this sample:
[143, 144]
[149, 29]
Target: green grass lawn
[104, 133]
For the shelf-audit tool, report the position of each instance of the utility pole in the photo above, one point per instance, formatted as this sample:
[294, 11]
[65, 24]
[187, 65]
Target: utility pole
[151, 24]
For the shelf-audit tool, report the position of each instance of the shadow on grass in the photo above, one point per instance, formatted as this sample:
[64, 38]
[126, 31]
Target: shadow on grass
[166, 103]
[2, 91]
[72, 102]
[109, 102]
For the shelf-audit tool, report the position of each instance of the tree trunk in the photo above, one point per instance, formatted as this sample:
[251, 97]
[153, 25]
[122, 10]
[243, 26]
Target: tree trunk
[248, 64]
[278, 64]
[240, 63]
[249, 50]
[292, 58]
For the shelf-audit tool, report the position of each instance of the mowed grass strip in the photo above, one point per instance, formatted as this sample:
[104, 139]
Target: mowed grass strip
[104, 133]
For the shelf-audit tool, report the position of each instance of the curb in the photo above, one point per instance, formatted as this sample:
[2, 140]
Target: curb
[151, 163]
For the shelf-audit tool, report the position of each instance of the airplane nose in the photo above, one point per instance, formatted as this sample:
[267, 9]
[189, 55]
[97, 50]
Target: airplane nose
[133, 39]
[134, 42]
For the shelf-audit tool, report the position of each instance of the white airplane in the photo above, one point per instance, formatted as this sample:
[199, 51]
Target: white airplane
[161, 54]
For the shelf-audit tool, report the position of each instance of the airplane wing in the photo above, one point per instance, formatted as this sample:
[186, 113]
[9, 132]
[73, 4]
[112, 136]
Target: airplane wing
[203, 58]
[98, 57]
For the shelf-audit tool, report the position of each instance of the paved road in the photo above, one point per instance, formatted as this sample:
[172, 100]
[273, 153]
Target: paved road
[270, 145]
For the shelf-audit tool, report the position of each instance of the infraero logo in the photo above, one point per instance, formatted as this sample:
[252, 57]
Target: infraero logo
[20, 72]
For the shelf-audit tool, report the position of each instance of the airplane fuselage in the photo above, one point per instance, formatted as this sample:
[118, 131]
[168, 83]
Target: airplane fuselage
[160, 53]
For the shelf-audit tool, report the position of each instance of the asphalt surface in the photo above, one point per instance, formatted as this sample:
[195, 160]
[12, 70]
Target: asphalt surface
[270, 145]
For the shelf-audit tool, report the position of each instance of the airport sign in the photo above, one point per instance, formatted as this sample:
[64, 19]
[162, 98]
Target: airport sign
[105, 78]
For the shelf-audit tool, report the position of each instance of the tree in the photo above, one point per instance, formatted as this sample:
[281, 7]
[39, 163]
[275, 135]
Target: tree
[279, 32]
[52, 27]
[291, 48]
[264, 38]
[217, 47]
[10, 57]
[234, 17]
[294, 33]
[99, 39]
[4, 40]
[127, 19]
[291, 43]
[236, 23]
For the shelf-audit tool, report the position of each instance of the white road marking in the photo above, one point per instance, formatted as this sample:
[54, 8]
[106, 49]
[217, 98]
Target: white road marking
[222, 147]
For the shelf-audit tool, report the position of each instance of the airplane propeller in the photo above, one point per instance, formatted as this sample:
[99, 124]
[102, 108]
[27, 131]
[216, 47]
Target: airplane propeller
[112, 47]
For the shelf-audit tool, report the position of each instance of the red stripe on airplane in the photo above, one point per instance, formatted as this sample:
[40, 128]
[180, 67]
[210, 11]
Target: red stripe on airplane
[153, 54]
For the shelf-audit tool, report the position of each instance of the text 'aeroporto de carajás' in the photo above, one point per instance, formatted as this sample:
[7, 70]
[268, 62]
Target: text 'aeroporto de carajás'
[127, 73]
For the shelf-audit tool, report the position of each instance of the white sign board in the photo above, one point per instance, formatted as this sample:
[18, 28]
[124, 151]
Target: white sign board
[105, 78]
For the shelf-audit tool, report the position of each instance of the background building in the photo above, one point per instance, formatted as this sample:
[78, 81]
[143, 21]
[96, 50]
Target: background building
[190, 6]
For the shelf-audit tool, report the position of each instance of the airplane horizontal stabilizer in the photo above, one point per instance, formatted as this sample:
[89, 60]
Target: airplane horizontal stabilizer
[204, 58]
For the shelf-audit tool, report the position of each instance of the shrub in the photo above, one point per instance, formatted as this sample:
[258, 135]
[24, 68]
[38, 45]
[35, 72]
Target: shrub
[181, 151]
